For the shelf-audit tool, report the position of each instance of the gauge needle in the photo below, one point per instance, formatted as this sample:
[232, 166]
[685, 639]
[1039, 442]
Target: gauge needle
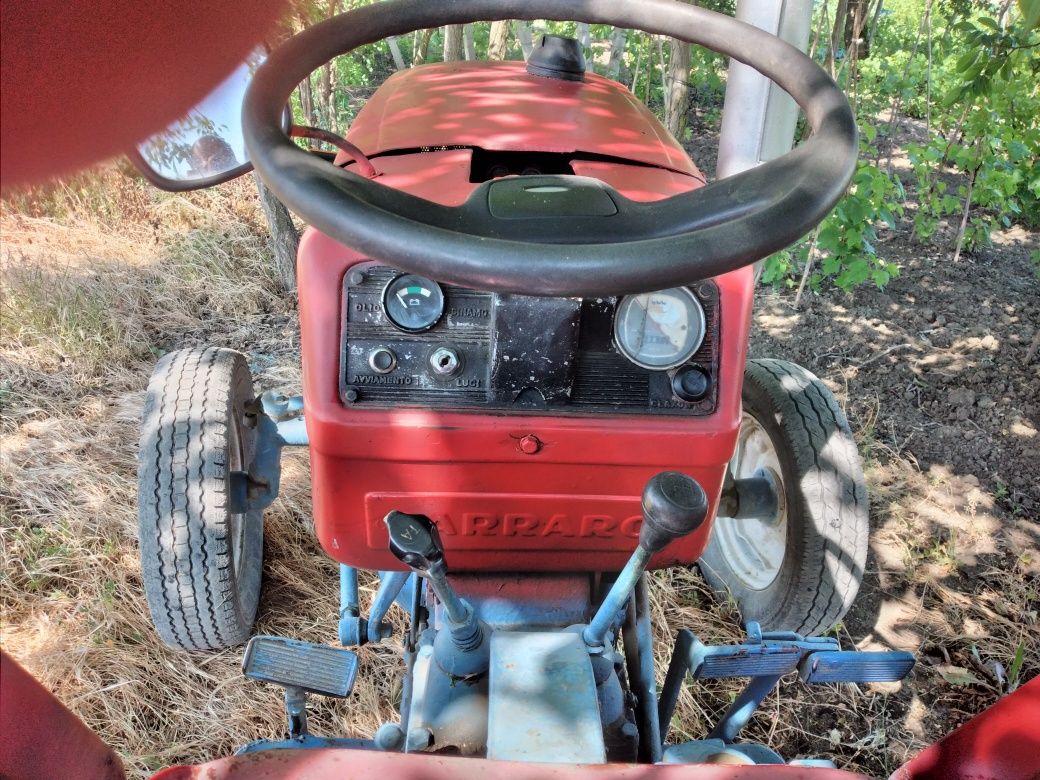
[642, 325]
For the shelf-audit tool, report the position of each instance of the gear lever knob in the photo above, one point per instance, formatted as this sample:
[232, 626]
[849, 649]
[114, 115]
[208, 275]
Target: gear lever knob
[415, 542]
[674, 505]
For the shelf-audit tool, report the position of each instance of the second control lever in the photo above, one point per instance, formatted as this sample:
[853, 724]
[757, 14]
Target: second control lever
[673, 505]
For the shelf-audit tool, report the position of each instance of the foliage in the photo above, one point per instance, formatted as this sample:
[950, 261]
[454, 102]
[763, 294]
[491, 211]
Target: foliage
[971, 79]
[847, 239]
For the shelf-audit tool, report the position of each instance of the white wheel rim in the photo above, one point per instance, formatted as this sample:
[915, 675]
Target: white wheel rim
[754, 547]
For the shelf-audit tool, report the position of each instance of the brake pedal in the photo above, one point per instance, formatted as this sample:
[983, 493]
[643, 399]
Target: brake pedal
[318, 669]
[833, 666]
[712, 662]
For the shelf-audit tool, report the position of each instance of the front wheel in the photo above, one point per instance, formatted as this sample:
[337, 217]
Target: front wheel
[800, 568]
[201, 560]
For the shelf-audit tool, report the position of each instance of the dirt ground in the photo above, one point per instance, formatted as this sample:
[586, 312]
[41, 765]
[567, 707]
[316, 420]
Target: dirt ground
[936, 374]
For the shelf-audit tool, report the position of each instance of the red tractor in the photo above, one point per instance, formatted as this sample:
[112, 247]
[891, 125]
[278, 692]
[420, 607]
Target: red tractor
[524, 325]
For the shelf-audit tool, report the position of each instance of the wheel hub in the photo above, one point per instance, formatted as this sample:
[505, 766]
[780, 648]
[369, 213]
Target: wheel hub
[755, 546]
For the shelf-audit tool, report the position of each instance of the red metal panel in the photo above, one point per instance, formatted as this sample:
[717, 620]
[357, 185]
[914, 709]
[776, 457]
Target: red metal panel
[1001, 743]
[41, 740]
[499, 106]
[570, 506]
[366, 764]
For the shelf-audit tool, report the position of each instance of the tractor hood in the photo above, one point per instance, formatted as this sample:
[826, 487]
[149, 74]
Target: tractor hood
[499, 106]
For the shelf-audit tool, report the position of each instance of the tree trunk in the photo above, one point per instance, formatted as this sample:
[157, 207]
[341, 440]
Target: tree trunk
[840, 14]
[640, 45]
[873, 28]
[307, 102]
[617, 53]
[857, 12]
[284, 239]
[584, 37]
[326, 81]
[395, 52]
[659, 44]
[498, 42]
[678, 89]
[422, 47]
[469, 44]
[453, 42]
[325, 96]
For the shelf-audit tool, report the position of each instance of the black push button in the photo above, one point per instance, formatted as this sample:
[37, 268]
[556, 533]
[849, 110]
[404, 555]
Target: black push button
[382, 360]
[691, 384]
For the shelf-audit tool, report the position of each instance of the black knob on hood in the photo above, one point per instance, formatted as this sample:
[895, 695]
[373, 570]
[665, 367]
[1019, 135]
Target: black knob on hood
[556, 57]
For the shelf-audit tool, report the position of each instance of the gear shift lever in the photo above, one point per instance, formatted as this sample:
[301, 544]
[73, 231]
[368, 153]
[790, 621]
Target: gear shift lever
[414, 541]
[674, 505]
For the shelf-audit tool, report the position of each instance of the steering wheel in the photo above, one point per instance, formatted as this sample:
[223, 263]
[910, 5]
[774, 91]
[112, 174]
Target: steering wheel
[642, 247]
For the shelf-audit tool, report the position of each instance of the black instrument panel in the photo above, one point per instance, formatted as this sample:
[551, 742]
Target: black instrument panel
[509, 353]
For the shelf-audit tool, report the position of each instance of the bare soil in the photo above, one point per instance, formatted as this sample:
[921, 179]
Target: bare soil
[939, 374]
[936, 374]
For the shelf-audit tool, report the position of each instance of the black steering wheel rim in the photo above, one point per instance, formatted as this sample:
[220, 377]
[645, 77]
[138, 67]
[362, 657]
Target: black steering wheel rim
[724, 226]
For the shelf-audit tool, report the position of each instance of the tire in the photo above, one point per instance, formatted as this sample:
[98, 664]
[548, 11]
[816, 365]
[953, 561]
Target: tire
[201, 565]
[822, 525]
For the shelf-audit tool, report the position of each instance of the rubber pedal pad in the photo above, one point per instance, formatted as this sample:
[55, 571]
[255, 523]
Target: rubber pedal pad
[834, 666]
[711, 662]
[318, 669]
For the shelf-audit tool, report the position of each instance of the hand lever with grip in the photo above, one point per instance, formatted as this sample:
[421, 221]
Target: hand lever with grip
[673, 505]
[462, 648]
[414, 541]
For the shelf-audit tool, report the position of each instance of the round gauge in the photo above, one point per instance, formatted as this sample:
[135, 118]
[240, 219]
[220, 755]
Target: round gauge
[413, 303]
[659, 330]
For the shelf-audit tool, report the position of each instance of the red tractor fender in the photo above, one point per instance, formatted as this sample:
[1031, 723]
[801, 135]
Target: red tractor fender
[40, 739]
[1000, 743]
[334, 764]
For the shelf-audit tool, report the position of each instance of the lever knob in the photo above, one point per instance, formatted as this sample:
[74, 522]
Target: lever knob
[674, 505]
[414, 541]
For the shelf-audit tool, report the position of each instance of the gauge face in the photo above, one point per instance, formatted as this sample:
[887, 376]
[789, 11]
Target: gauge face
[659, 330]
[413, 303]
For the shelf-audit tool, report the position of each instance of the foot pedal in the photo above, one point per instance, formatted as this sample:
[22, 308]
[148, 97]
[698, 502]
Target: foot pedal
[712, 662]
[835, 666]
[319, 669]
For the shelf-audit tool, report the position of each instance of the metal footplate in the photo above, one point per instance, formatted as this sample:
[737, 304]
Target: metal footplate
[319, 669]
[301, 668]
[765, 658]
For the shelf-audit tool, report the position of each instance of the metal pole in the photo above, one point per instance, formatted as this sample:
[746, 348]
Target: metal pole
[595, 632]
[639, 659]
[348, 591]
[743, 707]
[759, 118]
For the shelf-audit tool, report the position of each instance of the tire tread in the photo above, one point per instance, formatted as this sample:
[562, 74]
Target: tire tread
[182, 485]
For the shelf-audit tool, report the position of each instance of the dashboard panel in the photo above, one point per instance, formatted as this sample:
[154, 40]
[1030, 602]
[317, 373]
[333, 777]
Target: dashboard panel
[410, 342]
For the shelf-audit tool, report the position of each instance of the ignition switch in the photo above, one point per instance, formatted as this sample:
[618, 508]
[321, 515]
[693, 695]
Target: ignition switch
[445, 362]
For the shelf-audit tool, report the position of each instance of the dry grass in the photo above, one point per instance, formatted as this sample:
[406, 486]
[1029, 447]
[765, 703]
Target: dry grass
[102, 277]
